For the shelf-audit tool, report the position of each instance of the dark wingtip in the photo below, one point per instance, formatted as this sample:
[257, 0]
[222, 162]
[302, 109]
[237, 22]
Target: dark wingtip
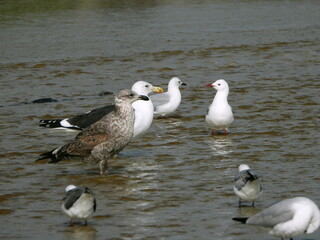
[48, 155]
[54, 123]
[239, 219]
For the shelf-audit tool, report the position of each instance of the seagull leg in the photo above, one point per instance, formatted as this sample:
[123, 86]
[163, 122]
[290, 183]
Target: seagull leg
[212, 132]
[225, 132]
[85, 222]
[71, 222]
[103, 164]
[239, 202]
[252, 204]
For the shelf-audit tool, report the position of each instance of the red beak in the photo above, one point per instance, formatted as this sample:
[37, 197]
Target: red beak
[209, 85]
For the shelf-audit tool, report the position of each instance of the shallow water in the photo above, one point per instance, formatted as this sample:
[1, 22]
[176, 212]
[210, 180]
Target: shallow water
[175, 182]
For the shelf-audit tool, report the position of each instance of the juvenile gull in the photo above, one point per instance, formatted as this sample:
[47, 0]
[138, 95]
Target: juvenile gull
[287, 218]
[78, 203]
[247, 184]
[143, 113]
[167, 102]
[219, 115]
[103, 139]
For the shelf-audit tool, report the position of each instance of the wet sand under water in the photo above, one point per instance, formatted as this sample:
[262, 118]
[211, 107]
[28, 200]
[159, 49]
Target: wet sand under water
[175, 182]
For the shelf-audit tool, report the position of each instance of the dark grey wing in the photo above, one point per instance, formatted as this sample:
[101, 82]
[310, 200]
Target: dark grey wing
[245, 176]
[71, 197]
[85, 120]
[80, 121]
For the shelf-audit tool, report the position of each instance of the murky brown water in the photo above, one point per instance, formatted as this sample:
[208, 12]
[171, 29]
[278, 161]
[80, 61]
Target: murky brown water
[176, 181]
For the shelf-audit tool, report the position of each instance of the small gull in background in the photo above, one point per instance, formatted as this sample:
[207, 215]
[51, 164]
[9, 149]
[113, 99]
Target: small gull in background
[143, 113]
[78, 203]
[287, 218]
[219, 115]
[103, 139]
[168, 102]
[247, 184]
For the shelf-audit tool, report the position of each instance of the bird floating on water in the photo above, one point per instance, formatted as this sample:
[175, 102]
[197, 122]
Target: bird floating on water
[247, 184]
[78, 203]
[287, 218]
[167, 102]
[103, 139]
[143, 113]
[219, 115]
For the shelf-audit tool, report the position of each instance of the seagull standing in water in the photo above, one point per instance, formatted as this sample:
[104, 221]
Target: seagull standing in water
[143, 113]
[103, 139]
[78, 203]
[168, 102]
[287, 218]
[219, 115]
[247, 184]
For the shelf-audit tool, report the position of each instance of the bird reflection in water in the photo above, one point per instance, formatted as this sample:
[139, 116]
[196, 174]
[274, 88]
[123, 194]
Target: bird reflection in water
[220, 145]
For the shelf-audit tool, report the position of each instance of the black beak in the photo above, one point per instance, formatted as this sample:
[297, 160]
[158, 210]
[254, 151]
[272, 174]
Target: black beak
[144, 98]
[183, 84]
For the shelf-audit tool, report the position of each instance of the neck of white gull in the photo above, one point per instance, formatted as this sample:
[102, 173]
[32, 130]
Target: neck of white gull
[221, 95]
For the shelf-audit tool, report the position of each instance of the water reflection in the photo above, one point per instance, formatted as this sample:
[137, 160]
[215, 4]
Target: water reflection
[81, 233]
[220, 145]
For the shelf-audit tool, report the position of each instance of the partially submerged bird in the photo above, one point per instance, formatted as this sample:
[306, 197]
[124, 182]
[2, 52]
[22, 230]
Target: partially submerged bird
[247, 184]
[287, 218]
[219, 115]
[168, 102]
[78, 203]
[143, 113]
[103, 139]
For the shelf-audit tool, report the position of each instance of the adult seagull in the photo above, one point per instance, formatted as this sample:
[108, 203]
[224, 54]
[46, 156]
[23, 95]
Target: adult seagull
[247, 184]
[287, 218]
[219, 115]
[78, 203]
[143, 113]
[168, 102]
[103, 139]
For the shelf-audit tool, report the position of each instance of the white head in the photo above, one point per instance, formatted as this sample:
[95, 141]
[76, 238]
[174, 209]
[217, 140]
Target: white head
[243, 167]
[70, 187]
[144, 88]
[220, 85]
[175, 82]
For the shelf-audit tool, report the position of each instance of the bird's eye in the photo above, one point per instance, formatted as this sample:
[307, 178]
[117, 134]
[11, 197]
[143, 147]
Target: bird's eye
[131, 95]
[146, 86]
[219, 84]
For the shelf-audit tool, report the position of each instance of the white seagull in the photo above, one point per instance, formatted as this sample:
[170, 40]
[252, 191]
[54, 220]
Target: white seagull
[247, 184]
[167, 102]
[287, 218]
[219, 115]
[143, 113]
[78, 203]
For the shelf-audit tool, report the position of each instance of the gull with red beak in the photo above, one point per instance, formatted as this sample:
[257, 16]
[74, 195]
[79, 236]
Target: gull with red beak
[219, 115]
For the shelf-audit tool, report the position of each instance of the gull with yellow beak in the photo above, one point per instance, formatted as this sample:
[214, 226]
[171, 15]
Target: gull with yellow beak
[143, 113]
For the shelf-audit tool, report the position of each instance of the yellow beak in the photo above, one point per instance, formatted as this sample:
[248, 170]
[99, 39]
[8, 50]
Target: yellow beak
[157, 89]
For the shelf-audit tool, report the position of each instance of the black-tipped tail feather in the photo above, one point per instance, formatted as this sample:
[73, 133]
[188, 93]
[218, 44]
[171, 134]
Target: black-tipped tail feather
[54, 123]
[239, 219]
[49, 155]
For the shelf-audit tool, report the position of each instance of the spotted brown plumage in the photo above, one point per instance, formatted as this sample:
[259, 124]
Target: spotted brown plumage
[103, 139]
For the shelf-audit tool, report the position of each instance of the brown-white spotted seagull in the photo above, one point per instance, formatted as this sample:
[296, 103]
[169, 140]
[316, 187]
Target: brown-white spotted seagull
[103, 139]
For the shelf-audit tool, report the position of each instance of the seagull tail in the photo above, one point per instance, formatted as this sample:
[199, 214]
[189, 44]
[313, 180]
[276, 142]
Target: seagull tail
[239, 219]
[54, 123]
[49, 155]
